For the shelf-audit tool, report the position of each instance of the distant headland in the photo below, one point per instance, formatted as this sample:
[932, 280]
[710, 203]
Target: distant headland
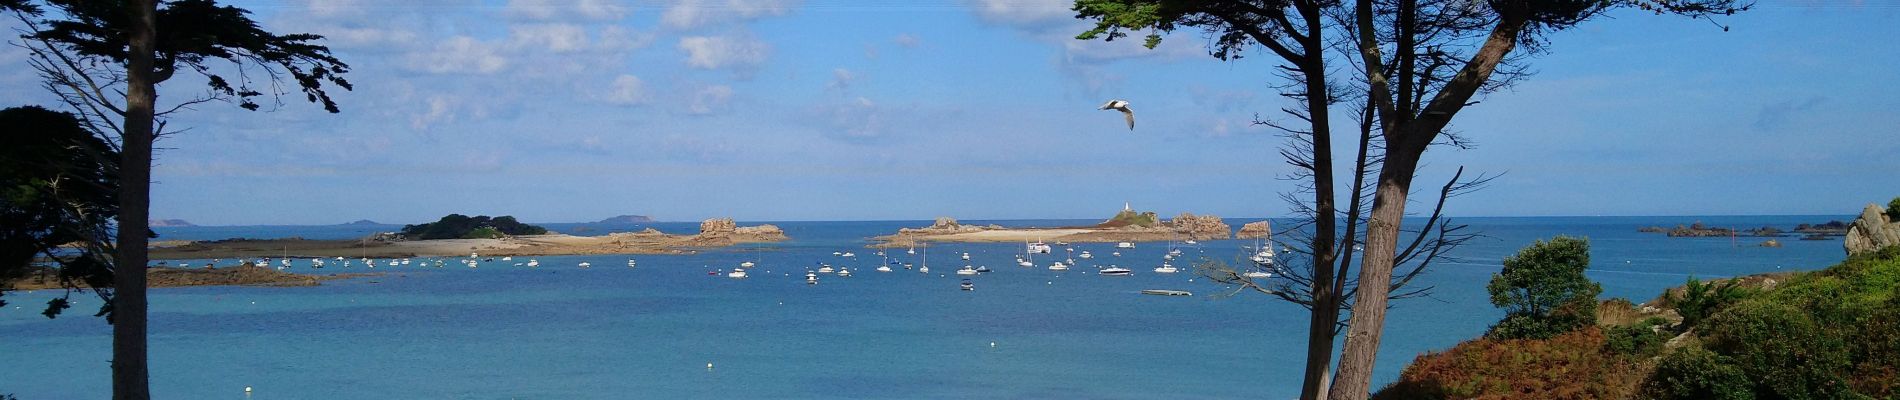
[170, 223]
[626, 219]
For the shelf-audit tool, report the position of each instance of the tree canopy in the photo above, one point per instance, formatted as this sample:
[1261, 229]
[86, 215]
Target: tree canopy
[458, 226]
[58, 187]
[1543, 290]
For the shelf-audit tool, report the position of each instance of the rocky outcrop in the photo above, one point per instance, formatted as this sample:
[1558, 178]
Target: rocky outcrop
[1699, 230]
[944, 226]
[763, 230]
[1200, 227]
[1255, 230]
[1873, 231]
[717, 226]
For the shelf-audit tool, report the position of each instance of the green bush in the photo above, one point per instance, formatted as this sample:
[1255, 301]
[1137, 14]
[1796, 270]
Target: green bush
[486, 232]
[1893, 209]
[458, 226]
[1692, 373]
[1700, 300]
[1641, 339]
[1782, 348]
[1543, 290]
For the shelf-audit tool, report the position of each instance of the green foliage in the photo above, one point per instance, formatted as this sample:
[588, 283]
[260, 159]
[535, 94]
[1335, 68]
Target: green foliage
[1785, 351]
[58, 186]
[1699, 300]
[1642, 339]
[1693, 373]
[1127, 218]
[458, 226]
[1543, 290]
[191, 34]
[1893, 209]
[1568, 366]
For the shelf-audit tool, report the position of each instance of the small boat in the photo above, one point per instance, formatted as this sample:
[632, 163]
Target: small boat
[884, 268]
[1037, 247]
[983, 269]
[1058, 266]
[1166, 268]
[1190, 241]
[850, 254]
[1124, 245]
[826, 269]
[1116, 271]
[1117, 254]
[585, 264]
[531, 263]
[912, 250]
[1258, 275]
[507, 258]
[405, 261]
[747, 264]
[736, 274]
[966, 270]
[630, 263]
[844, 272]
[837, 253]
[1166, 292]
[966, 256]
[1026, 263]
[967, 285]
[1085, 255]
[924, 269]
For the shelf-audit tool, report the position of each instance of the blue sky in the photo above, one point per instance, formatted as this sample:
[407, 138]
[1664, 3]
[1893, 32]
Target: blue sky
[561, 111]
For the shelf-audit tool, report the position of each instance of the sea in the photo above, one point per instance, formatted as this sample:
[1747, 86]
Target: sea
[673, 326]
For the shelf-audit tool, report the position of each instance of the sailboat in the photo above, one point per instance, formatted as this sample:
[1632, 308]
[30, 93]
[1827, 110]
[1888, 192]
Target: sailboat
[926, 264]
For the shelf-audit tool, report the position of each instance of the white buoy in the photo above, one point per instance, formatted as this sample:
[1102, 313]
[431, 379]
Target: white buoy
[247, 389]
[708, 366]
[992, 344]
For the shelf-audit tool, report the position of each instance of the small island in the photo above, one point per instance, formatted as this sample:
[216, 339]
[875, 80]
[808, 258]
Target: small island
[1126, 226]
[459, 238]
[626, 219]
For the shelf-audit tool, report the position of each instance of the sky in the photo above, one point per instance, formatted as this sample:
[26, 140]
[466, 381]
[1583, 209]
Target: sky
[577, 110]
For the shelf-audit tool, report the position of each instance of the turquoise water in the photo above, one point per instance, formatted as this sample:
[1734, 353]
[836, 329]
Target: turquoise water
[501, 332]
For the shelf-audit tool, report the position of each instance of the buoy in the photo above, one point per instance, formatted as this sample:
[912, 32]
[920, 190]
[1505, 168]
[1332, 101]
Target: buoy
[992, 344]
[708, 366]
[247, 389]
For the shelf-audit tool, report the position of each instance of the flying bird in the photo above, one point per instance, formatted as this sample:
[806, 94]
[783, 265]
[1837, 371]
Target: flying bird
[1121, 105]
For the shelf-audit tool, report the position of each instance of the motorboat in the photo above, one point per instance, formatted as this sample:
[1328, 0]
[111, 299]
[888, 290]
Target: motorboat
[1025, 263]
[1085, 255]
[1166, 268]
[966, 256]
[1037, 248]
[1190, 242]
[747, 264]
[1166, 292]
[1258, 274]
[850, 254]
[1117, 254]
[811, 278]
[826, 269]
[967, 285]
[585, 264]
[1124, 245]
[884, 268]
[1116, 271]
[966, 270]
[736, 274]
[982, 269]
[533, 263]
[1058, 266]
[844, 272]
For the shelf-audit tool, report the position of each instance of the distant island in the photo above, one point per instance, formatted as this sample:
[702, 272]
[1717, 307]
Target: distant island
[458, 226]
[716, 232]
[1826, 231]
[1127, 225]
[170, 223]
[362, 222]
[627, 219]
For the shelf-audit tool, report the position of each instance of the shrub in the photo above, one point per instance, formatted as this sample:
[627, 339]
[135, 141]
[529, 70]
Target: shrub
[486, 232]
[1893, 209]
[1700, 300]
[1543, 290]
[1693, 373]
[1641, 339]
[1778, 345]
[1568, 366]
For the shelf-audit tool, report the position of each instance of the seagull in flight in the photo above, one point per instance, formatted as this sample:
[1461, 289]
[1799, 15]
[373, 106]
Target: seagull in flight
[1121, 105]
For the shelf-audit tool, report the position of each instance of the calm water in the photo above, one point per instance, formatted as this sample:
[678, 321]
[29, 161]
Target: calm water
[560, 332]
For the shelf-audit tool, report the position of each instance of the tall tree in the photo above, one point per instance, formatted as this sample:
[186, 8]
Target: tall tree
[58, 196]
[78, 47]
[1442, 54]
[1295, 32]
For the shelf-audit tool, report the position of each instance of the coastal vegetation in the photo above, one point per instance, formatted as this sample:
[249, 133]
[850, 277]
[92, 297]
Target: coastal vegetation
[458, 226]
[1131, 218]
[1543, 291]
[58, 186]
[1827, 334]
[106, 60]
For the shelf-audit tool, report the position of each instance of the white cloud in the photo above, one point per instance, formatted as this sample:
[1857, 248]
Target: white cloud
[558, 38]
[441, 109]
[1024, 12]
[626, 90]
[460, 54]
[713, 52]
[556, 9]
[907, 41]
[841, 79]
[696, 13]
[710, 99]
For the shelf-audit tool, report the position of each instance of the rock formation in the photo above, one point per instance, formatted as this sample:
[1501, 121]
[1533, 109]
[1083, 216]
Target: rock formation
[1255, 230]
[717, 226]
[1200, 227]
[723, 231]
[1873, 231]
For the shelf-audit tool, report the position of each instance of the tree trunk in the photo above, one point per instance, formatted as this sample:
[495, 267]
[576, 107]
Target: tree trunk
[1375, 272]
[1325, 316]
[130, 379]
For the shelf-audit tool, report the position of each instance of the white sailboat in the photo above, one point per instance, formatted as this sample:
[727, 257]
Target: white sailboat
[1115, 271]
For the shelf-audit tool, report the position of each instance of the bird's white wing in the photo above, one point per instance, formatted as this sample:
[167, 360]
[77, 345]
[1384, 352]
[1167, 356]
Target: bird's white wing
[1130, 115]
[1108, 105]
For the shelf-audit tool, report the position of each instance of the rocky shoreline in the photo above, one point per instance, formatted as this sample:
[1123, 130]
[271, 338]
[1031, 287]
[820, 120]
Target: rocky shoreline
[716, 232]
[160, 277]
[1185, 226]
